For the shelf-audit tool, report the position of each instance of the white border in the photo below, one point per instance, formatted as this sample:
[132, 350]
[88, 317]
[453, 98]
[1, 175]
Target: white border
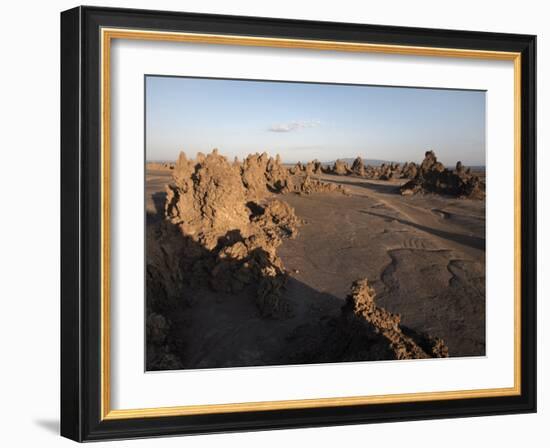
[131, 387]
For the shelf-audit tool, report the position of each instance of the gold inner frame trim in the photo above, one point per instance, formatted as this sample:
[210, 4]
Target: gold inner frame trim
[107, 35]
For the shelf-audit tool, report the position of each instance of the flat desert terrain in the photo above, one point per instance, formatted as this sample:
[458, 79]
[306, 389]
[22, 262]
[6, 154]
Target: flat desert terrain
[423, 255]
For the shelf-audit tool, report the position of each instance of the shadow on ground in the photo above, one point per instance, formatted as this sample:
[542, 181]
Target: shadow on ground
[49, 425]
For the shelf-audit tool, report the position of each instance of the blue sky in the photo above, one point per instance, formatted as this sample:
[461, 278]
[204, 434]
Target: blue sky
[303, 121]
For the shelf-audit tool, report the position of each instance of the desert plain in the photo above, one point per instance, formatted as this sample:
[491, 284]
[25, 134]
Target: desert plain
[255, 262]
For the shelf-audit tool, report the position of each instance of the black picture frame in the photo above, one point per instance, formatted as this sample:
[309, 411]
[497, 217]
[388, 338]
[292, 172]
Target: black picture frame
[81, 224]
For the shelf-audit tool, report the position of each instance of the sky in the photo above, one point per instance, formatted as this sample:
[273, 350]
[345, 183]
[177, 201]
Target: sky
[306, 121]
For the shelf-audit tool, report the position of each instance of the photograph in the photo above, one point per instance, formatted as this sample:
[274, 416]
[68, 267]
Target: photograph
[303, 223]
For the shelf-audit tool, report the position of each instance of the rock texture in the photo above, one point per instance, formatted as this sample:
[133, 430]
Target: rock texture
[160, 165]
[386, 171]
[297, 169]
[358, 167]
[313, 167]
[308, 185]
[362, 331]
[229, 228]
[361, 302]
[409, 170]
[341, 168]
[262, 175]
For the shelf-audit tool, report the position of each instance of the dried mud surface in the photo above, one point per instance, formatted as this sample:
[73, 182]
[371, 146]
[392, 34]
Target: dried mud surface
[249, 264]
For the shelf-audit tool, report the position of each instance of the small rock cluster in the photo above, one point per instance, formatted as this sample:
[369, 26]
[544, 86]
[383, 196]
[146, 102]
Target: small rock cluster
[385, 171]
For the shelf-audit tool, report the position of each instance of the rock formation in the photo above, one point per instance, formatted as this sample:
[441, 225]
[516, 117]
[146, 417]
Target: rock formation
[297, 169]
[385, 171]
[313, 168]
[388, 171]
[229, 229]
[358, 167]
[362, 332]
[207, 198]
[361, 303]
[307, 185]
[409, 170]
[340, 168]
[433, 177]
[262, 175]
[160, 165]
[252, 260]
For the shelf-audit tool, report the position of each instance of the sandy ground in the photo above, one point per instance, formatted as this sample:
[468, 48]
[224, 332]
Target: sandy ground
[424, 255]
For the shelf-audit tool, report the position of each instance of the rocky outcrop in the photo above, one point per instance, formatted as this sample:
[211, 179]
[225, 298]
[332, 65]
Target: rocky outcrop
[409, 170]
[358, 167]
[253, 174]
[361, 303]
[160, 166]
[340, 168]
[307, 185]
[430, 164]
[313, 168]
[297, 169]
[207, 198]
[433, 177]
[229, 227]
[388, 171]
[385, 171]
[240, 262]
[262, 175]
[362, 331]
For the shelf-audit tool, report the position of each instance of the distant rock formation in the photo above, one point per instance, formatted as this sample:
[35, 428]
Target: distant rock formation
[160, 165]
[385, 171]
[313, 168]
[297, 169]
[409, 170]
[340, 168]
[262, 175]
[358, 167]
[388, 171]
[433, 177]
[243, 261]
[307, 185]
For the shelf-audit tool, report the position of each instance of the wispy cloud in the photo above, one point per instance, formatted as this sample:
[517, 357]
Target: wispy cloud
[294, 125]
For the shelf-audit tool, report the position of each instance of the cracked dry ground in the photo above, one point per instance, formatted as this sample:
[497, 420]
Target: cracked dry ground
[424, 255]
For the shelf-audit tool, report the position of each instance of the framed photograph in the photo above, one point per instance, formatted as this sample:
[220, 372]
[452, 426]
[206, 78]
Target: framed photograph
[274, 223]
